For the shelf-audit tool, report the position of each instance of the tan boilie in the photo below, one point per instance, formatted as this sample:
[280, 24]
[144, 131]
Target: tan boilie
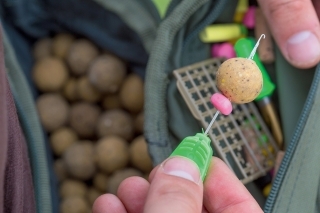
[61, 44]
[139, 155]
[79, 160]
[70, 90]
[80, 55]
[86, 91]
[61, 139]
[107, 72]
[53, 110]
[239, 79]
[74, 205]
[83, 118]
[49, 74]
[115, 122]
[132, 93]
[73, 188]
[111, 153]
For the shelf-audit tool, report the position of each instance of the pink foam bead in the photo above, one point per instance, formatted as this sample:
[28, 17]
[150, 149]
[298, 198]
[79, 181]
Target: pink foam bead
[249, 19]
[221, 103]
[226, 50]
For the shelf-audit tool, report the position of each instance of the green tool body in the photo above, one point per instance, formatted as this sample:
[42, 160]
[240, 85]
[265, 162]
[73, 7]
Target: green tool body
[196, 148]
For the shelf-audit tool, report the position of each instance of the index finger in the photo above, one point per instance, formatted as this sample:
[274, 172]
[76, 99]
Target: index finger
[224, 192]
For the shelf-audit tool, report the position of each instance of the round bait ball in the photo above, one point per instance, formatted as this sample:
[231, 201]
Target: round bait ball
[115, 122]
[239, 79]
[86, 91]
[61, 44]
[79, 160]
[74, 205]
[107, 72]
[139, 155]
[61, 139]
[83, 118]
[53, 110]
[81, 53]
[111, 154]
[132, 94]
[50, 74]
[70, 90]
[73, 188]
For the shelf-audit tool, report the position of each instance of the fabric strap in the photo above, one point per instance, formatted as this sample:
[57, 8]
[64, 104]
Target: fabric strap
[30, 123]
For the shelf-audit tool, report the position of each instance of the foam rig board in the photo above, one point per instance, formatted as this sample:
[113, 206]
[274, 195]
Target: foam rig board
[241, 139]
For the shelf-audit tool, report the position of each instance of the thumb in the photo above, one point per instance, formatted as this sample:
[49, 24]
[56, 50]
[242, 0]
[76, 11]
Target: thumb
[295, 27]
[175, 187]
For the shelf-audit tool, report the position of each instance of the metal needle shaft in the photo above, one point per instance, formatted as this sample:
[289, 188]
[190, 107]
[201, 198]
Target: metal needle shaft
[213, 119]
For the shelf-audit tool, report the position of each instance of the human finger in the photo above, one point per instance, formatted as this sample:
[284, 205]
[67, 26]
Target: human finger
[176, 186]
[108, 203]
[295, 27]
[133, 192]
[223, 192]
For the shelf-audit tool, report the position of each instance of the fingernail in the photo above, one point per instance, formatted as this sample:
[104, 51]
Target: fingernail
[303, 48]
[183, 168]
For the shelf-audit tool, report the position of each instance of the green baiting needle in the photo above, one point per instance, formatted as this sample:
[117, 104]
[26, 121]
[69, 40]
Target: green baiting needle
[197, 148]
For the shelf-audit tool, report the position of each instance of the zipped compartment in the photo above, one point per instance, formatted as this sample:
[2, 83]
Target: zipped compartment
[290, 151]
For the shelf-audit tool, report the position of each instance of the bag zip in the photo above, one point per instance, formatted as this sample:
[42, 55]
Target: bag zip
[290, 151]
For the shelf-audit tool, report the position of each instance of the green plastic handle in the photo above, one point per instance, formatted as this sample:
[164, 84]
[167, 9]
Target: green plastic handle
[196, 148]
[243, 48]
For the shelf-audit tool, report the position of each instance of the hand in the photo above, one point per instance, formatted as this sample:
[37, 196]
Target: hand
[175, 186]
[296, 29]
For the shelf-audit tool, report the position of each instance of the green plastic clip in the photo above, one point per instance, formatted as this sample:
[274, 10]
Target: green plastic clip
[243, 48]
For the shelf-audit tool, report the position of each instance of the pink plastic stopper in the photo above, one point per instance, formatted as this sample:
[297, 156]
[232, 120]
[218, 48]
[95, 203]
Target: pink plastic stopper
[223, 50]
[221, 103]
[249, 19]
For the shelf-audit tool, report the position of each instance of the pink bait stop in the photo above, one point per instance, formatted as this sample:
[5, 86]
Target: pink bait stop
[223, 50]
[249, 18]
[221, 103]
